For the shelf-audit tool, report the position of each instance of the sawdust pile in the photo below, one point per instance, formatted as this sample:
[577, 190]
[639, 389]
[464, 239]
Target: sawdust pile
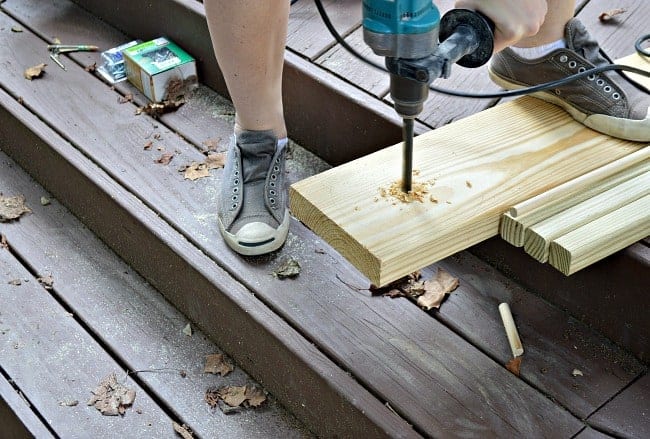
[418, 192]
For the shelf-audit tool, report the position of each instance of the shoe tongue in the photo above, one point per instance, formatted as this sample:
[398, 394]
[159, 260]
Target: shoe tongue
[257, 154]
[579, 40]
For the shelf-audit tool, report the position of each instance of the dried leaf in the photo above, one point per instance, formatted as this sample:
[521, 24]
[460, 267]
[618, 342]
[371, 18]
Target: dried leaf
[156, 109]
[91, 67]
[112, 398]
[609, 15]
[212, 396]
[290, 268]
[436, 289]
[12, 208]
[187, 330]
[514, 365]
[394, 293]
[217, 364]
[148, 145]
[16, 29]
[195, 171]
[211, 145]
[216, 161]
[46, 281]
[182, 430]
[126, 98]
[4, 244]
[255, 397]
[35, 71]
[165, 159]
[234, 396]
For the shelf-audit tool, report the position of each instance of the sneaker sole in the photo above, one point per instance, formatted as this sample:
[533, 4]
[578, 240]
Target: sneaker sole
[637, 131]
[257, 248]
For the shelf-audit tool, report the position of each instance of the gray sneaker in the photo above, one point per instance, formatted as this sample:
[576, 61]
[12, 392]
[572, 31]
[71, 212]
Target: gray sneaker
[252, 211]
[606, 102]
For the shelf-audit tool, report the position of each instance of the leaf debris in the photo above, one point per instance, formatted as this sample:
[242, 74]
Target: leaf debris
[90, 68]
[126, 98]
[610, 15]
[12, 208]
[165, 159]
[112, 398]
[514, 365]
[194, 171]
[217, 364]
[187, 330]
[435, 290]
[4, 244]
[290, 268]
[156, 109]
[15, 282]
[45, 201]
[68, 403]
[183, 430]
[46, 281]
[35, 71]
[235, 397]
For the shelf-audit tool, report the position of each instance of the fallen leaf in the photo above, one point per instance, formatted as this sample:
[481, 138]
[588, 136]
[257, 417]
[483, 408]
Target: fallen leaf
[289, 268]
[91, 68]
[212, 396]
[182, 430]
[217, 364]
[12, 208]
[68, 403]
[187, 330]
[436, 289]
[16, 29]
[395, 293]
[35, 71]
[577, 373]
[15, 282]
[156, 109]
[45, 201]
[157, 136]
[216, 161]
[514, 365]
[148, 145]
[609, 15]
[195, 171]
[255, 397]
[211, 145]
[111, 398]
[165, 158]
[126, 98]
[3, 242]
[46, 281]
[234, 396]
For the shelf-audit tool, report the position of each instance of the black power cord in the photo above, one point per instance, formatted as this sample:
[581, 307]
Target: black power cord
[511, 93]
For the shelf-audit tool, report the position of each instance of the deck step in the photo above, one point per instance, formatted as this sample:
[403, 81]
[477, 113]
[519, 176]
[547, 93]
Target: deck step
[335, 356]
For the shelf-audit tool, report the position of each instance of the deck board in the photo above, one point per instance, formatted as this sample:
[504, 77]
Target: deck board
[109, 296]
[52, 359]
[17, 416]
[426, 361]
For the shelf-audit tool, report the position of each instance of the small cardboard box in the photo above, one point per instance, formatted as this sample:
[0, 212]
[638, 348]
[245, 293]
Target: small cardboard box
[160, 69]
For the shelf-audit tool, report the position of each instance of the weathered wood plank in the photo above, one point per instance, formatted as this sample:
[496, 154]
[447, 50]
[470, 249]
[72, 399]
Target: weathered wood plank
[627, 415]
[554, 343]
[130, 317]
[52, 359]
[327, 309]
[590, 433]
[16, 416]
[481, 166]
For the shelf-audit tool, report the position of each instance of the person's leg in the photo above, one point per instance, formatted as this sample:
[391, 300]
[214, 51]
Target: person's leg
[605, 102]
[249, 39]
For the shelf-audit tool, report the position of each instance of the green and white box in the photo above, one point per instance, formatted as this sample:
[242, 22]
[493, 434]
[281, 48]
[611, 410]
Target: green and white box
[160, 69]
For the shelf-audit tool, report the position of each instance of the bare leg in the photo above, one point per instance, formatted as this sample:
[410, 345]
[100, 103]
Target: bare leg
[249, 37]
[559, 12]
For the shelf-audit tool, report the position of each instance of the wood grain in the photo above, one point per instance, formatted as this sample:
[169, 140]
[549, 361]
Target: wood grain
[540, 235]
[601, 237]
[507, 154]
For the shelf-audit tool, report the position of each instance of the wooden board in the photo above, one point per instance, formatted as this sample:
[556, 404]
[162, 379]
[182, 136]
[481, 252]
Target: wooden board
[481, 166]
[132, 318]
[46, 352]
[333, 316]
[17, 418]
[627, 415]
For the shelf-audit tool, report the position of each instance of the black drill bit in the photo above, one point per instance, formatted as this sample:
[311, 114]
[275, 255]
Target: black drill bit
[407, 163]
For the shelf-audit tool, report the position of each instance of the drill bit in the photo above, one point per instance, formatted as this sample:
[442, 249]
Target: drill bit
[407, 162]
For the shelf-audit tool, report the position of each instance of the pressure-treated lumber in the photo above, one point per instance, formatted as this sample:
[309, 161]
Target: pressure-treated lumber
[482, 165]
[523, 215]
[540, 235]
[601, 237]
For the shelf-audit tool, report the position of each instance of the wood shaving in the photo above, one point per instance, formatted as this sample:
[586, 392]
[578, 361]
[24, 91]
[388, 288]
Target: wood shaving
[418, 191]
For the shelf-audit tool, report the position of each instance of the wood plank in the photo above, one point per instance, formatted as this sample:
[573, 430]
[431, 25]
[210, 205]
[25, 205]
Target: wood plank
[590, 433]
[554, 343]
[51, 359]
[602, 237]
[523, 215]
[628, 414]
[16, 416]
[132, 318]
[506, 154]
[333, 316]
[540, 235]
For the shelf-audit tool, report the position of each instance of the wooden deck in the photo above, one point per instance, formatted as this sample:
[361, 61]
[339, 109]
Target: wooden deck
[134, 252]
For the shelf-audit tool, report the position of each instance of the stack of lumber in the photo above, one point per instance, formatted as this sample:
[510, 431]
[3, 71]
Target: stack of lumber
[472, 170]
[586, 219]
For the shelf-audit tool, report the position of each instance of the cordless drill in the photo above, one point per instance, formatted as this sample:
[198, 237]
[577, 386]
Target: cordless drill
[420, 47]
